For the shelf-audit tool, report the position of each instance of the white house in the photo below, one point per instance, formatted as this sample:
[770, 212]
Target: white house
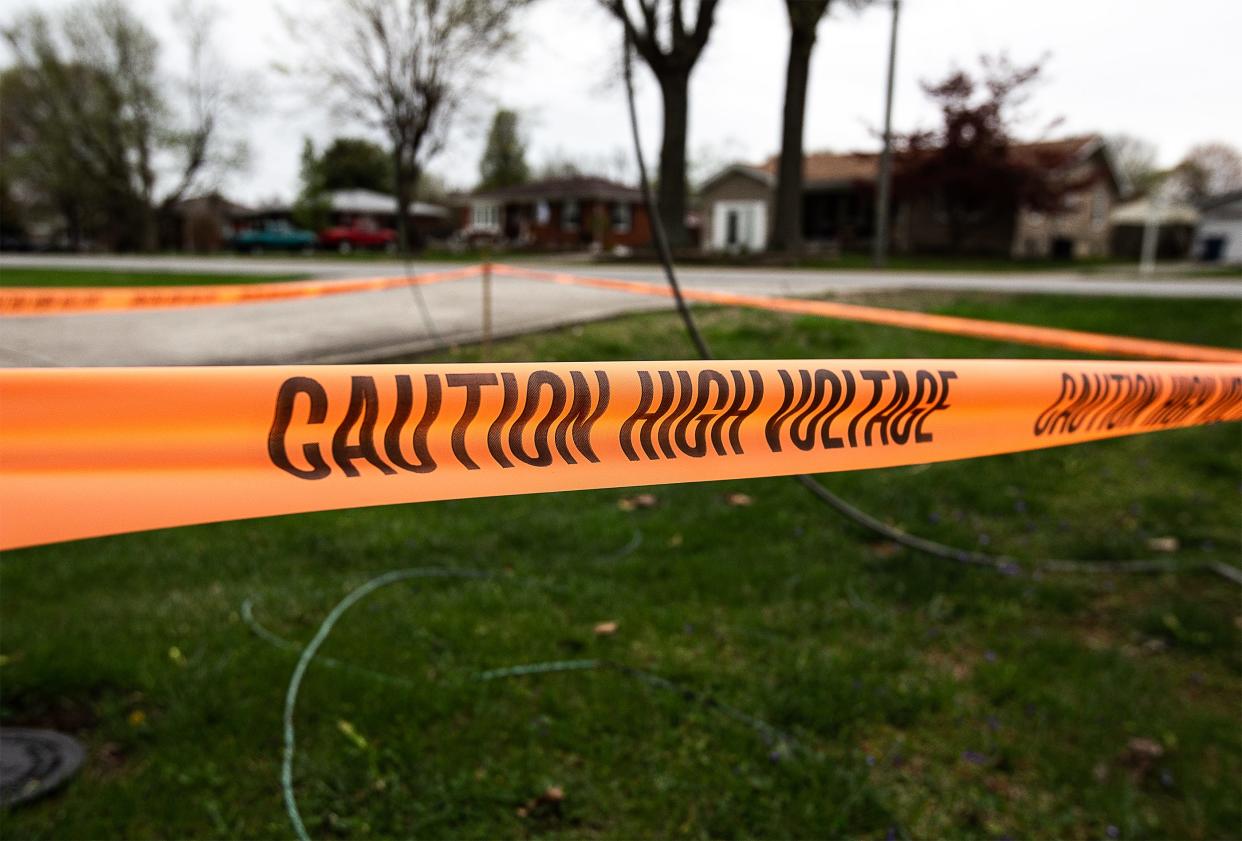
[1218, 238]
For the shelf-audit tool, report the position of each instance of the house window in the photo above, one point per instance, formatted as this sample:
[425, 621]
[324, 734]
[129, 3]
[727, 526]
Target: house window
[485, 216]
[571, 216]
[543, 213]
[622, 217]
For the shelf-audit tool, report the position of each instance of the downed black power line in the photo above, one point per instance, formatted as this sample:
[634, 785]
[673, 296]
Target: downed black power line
[841, 506]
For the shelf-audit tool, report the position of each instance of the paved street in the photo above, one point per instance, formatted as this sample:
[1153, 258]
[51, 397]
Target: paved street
[379, 325]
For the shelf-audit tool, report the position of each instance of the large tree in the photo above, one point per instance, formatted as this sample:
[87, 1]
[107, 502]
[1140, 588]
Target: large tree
[348, 163]
[405, 66]
[98, 130]
[1210, 169]
[504, 157]
[1135, 157]
[312, 208]
[804, 18]
[354, 163]
[967, 165]
[670, 45]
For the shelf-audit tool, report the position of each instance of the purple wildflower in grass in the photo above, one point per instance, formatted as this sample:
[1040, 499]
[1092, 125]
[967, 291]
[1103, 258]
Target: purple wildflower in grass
[974, 757]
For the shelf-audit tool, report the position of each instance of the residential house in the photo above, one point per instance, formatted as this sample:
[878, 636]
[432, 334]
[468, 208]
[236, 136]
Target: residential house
[1175, 228]
[1219, 237]
[839, 209]
[360, 208]
[201, 224]
[366, 209]
[737, 204]
[566, 213]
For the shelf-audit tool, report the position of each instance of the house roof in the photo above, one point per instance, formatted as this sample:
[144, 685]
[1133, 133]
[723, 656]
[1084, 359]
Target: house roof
[1220, 201]
[822, 168]
[756, 173]
[1136, 212]
[567, 187]
[1054, 154]
[831, 167]
[211, 201]
[353, 201]
[369, 201]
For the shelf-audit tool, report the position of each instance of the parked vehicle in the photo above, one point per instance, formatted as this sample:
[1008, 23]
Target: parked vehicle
[275, 235]
[354, 237]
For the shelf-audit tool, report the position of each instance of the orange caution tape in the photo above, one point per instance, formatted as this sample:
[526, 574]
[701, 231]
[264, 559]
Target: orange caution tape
[87, 452]
[1002, 331]
[33, 300]
[28, 301]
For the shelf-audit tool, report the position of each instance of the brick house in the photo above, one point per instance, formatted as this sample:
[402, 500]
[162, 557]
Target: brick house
[839, 209]
[552, 214]
[201, 224]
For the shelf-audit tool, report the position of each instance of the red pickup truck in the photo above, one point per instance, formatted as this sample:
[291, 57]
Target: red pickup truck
[345, 239]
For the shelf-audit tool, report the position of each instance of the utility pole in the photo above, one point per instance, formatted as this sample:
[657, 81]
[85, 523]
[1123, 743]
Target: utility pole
[1157, 200]
[880, 243]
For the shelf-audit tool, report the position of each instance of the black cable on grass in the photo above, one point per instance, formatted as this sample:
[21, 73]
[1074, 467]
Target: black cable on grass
[407, 259]
[657, 227]
[851, 512]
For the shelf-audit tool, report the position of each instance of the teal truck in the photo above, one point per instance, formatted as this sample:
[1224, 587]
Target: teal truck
[274, 235]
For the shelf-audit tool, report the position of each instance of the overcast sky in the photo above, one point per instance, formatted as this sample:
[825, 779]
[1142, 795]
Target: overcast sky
[1165, 70]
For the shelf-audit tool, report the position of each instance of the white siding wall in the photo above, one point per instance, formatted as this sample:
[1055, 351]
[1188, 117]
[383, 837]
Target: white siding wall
[1223, 223]
[739, 225]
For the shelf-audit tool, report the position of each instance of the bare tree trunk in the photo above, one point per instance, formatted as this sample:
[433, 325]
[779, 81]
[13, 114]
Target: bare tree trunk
[401, 190]
[787, 229]
[672, 188]
[957, 229]
[150, 240]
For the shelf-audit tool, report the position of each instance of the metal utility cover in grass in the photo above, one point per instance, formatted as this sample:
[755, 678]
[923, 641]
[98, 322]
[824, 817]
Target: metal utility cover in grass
[34, 762]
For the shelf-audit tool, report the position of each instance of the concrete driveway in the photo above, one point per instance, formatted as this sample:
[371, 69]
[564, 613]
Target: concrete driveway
[378, 325]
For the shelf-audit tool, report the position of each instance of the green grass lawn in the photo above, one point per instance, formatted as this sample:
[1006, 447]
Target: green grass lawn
[900, 696]
[12, 276]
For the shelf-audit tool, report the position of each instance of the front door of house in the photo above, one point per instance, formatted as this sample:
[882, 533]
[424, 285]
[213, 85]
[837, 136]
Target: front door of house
[739, 226]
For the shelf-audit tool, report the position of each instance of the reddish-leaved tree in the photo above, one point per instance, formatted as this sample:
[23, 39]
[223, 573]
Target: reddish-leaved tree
[968, 164]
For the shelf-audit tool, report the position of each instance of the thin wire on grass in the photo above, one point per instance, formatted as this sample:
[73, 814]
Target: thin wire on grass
[845, 509]
[771, 734]
[416, 289]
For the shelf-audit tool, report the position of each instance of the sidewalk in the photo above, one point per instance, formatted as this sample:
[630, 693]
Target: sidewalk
[373, 326]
